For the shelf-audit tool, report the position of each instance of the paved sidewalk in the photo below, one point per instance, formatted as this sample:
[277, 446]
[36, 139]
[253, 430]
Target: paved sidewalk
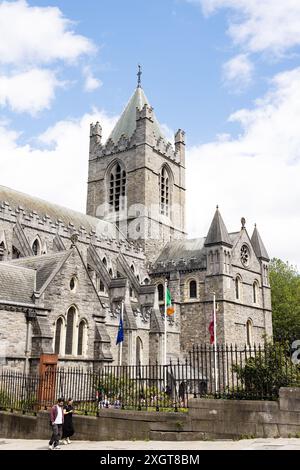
[245, 444]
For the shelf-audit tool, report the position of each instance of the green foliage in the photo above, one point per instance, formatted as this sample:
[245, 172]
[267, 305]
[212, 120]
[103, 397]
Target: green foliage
[4, 399]
[285, 292]
[264, 374]
[29, 403]
[130, 392]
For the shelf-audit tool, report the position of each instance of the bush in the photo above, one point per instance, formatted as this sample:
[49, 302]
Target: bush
[264, 374]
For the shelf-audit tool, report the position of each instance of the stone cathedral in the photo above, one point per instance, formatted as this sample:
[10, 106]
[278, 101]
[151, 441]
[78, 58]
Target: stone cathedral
[66, 276]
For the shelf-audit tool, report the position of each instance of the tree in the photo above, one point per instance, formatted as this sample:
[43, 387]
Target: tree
[268, 370]
[285, 293]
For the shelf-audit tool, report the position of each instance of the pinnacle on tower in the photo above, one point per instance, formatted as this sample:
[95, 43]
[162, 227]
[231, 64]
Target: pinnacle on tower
[258, 246]
[218, 234]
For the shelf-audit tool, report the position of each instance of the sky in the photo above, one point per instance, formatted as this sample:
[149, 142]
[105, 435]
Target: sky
[225, 71]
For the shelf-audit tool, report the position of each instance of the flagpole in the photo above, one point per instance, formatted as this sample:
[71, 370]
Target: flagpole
[215, 342]
[165, 339]
[121, 343]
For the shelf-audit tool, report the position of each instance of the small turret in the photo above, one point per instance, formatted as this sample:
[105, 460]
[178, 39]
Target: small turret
[95, 137]
[218, 234]
[258, 246]
[180, 145]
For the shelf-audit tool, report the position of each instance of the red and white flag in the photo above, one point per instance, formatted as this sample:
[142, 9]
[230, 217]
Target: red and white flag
[211, 329]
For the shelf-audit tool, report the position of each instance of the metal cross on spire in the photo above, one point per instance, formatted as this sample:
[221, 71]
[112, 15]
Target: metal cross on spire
[139, 74]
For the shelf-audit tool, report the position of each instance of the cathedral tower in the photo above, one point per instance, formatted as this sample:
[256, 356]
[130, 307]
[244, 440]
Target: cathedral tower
[137, 178]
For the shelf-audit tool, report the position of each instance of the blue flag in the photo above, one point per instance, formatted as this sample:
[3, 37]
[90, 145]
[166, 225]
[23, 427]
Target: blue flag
[120, 336]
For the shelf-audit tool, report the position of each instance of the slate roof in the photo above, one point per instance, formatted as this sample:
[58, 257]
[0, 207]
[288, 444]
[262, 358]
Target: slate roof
[17, 199]
[258, 246]
[16, 283]
[217, 233]
[186, 249]
[44, 265]
[126, 125]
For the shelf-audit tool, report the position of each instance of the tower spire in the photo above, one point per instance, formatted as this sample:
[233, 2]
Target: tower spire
[139, 75]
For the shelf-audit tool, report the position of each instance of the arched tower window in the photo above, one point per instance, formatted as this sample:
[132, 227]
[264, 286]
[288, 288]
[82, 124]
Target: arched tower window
[193, 289]
[70, 330]
[164, 191]
[238, 288]
[36, 247]
[254, 292]
[58, 336]
[249, 328]
[160, 289]
[117, 188]
[82, 337]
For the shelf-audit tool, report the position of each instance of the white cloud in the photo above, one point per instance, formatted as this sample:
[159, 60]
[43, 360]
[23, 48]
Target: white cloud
[36, 35]
[31, 40]
[238, 72]
[58, 174]
[91, 83]
[255, 175]
[29, 91]
[260, 25]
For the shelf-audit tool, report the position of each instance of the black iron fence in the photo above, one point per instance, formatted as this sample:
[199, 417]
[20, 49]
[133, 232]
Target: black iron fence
[223, 372]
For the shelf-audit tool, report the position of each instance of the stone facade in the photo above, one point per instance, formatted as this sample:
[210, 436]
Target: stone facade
[64, 276]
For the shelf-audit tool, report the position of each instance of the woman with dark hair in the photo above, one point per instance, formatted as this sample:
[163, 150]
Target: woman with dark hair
[68, 429]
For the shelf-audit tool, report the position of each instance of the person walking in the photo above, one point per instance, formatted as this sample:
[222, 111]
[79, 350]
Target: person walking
[56, 422]
[68, 429]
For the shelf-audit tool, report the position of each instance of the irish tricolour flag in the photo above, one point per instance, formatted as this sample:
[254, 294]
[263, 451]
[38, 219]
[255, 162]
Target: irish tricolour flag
[169, 306]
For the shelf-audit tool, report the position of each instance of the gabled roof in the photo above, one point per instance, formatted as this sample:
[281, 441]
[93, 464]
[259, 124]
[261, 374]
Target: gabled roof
[258, 246]
[16, 283]
[44, 266]
[182, 249]
[30, 204]
[126, 125]
[218, 234]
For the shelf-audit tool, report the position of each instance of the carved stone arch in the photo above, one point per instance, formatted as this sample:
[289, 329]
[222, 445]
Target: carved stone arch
[249, 332]
[71, 330]
[36, 245]
[255, 291]
[238, 283]
[59, 335]
[165, 182]
[82, 339]
[116, 185]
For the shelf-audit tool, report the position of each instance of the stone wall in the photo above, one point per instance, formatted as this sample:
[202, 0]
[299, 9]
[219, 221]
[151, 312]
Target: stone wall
[206, 419]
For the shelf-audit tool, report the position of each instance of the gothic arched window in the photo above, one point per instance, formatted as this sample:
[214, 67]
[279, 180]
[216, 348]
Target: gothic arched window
[82, 332]
[70, 330]
[36, 247]
[117, 188]
[164, 191]
[58, 336]
[238, 284]
[160, 289]
[249, 328]
[255, 291]
[193, 289]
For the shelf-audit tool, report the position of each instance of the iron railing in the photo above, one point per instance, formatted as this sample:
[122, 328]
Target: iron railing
[223, 372]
